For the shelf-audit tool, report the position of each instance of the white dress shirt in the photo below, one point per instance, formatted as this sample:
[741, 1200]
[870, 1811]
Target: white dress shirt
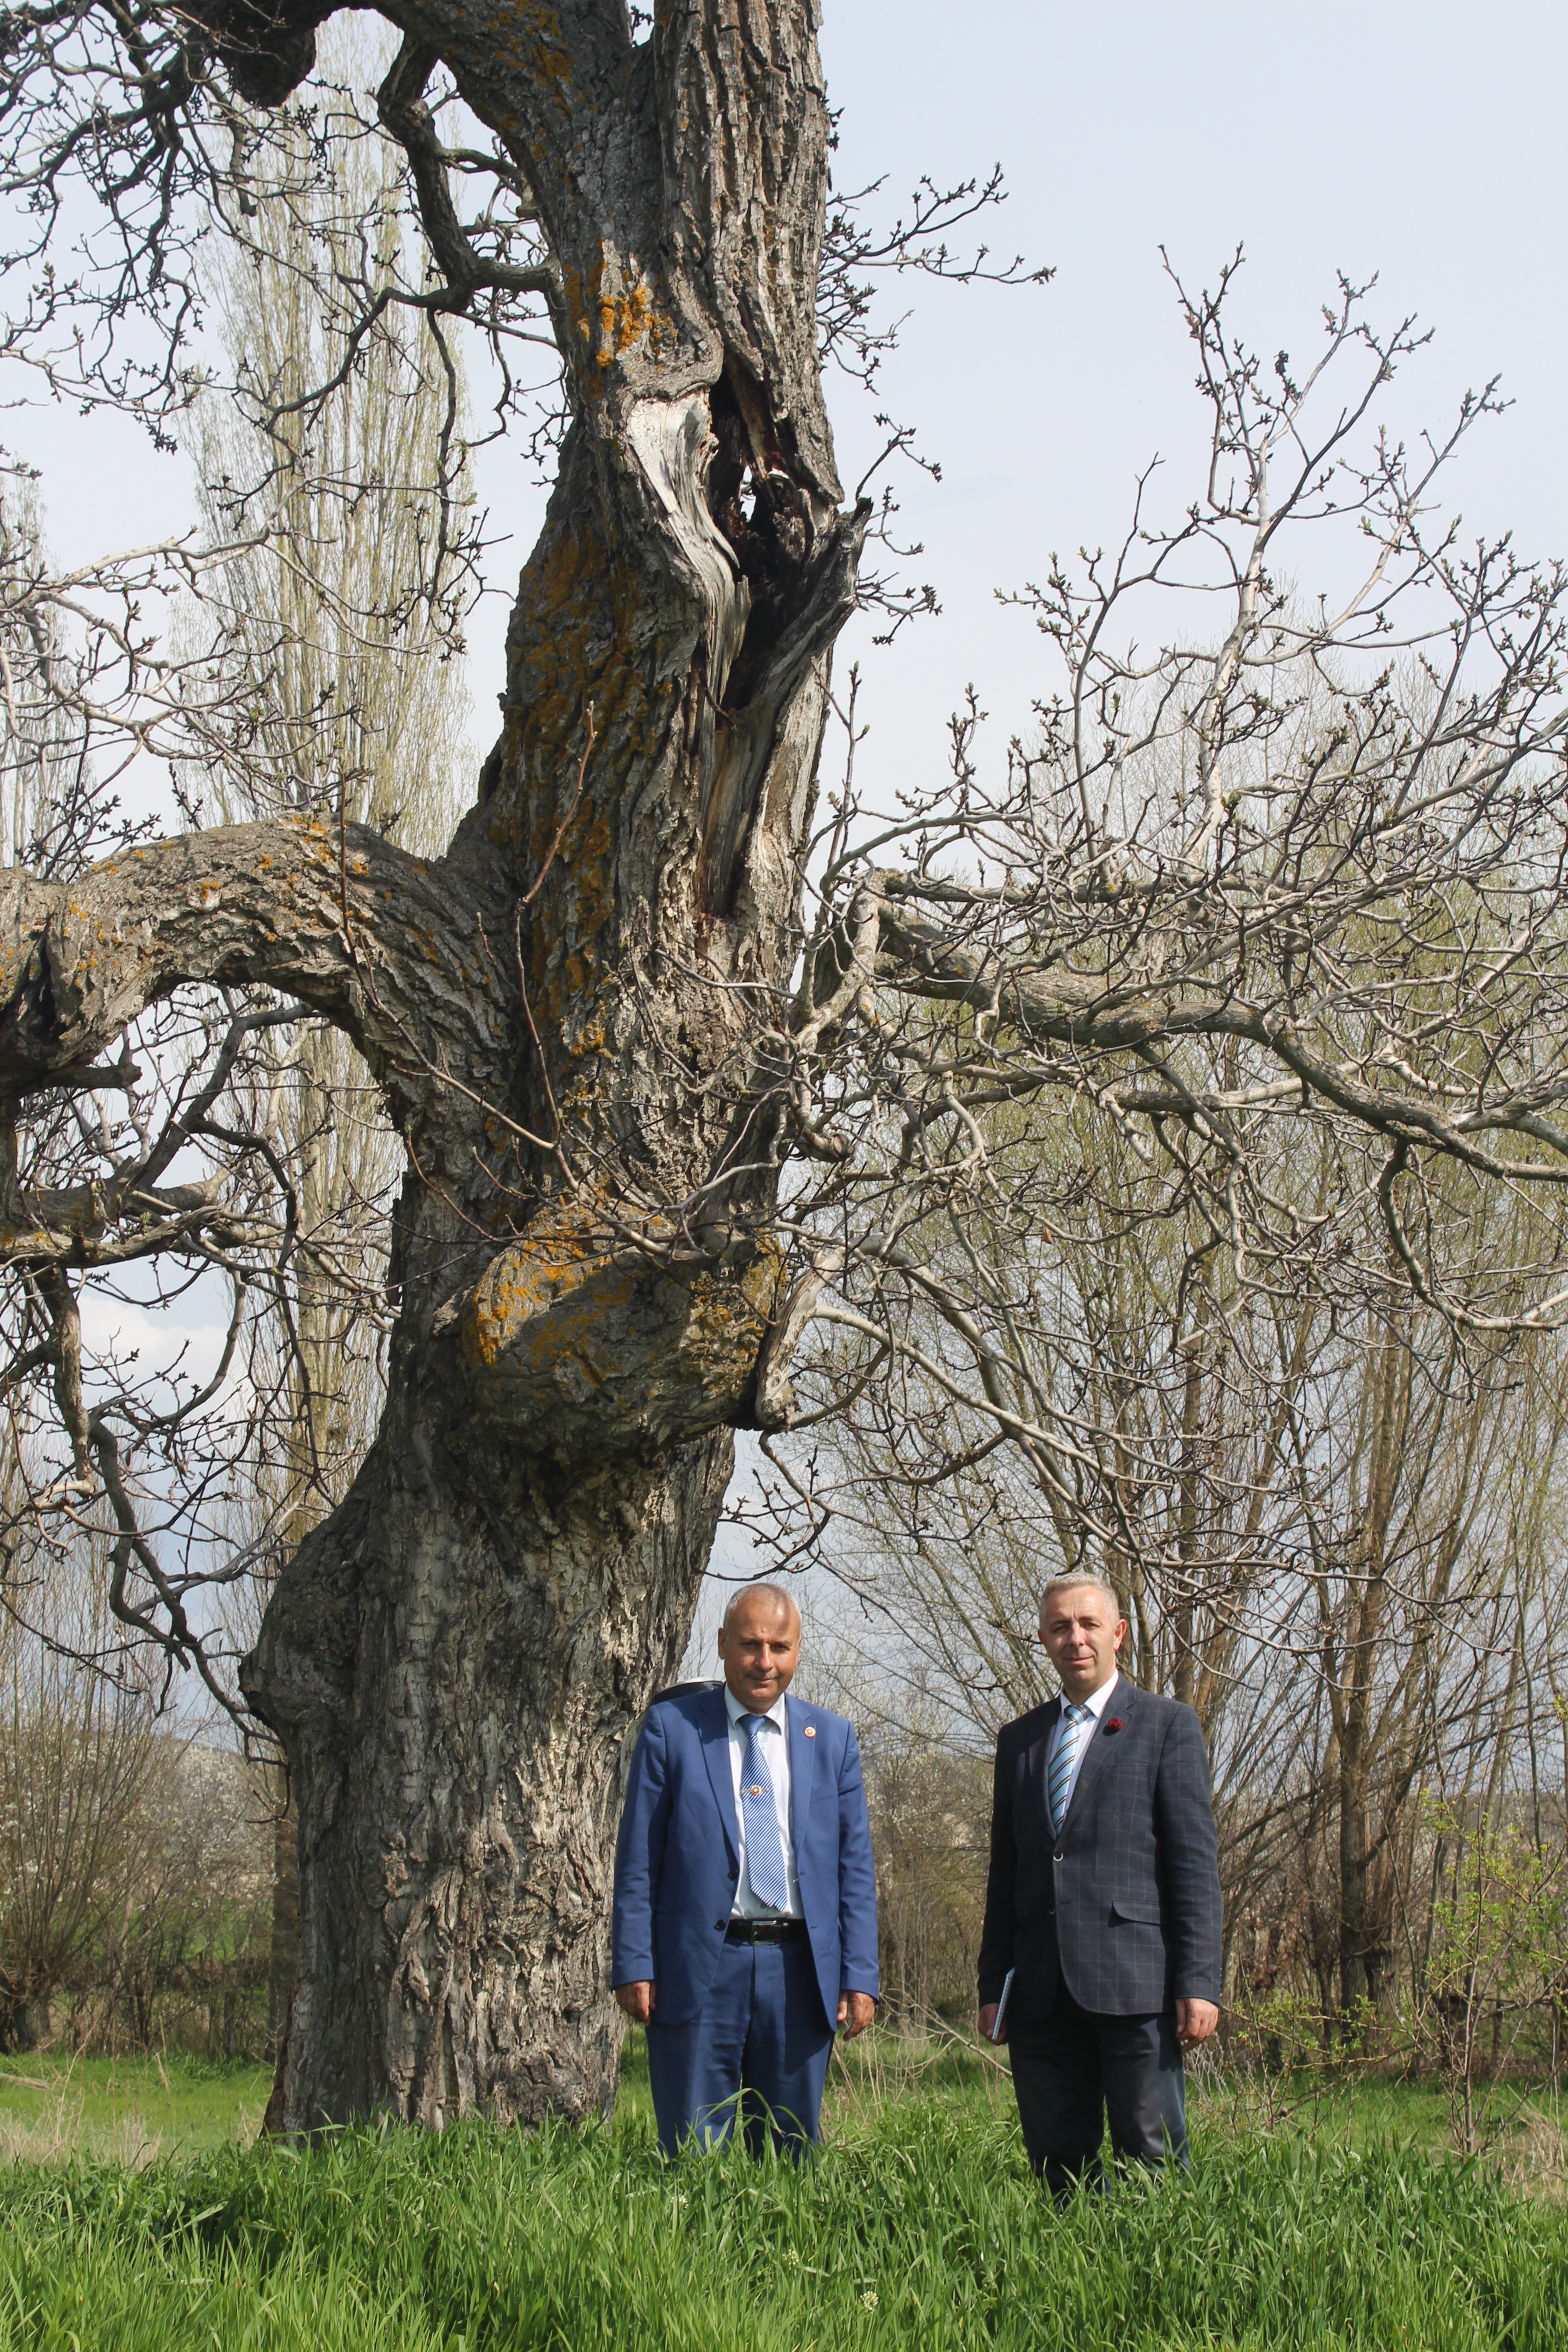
[774, 1738]
[1096, 1704]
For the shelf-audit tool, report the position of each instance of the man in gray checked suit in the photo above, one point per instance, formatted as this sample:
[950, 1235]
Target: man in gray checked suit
[1103, 1900]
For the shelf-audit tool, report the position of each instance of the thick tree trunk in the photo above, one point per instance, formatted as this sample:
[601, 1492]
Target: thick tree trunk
[456, 1658]
[453, 1661]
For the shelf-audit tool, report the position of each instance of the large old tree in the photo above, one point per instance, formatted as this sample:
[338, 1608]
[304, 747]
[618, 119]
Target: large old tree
[655, 1116]
[451, 1659]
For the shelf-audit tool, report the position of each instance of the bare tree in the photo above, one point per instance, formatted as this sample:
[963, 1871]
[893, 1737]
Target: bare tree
[77, 1760]
[605, 1024]
[1341, 1515]
[190, 1933]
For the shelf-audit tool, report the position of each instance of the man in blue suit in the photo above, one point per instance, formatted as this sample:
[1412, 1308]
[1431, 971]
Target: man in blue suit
[745, 1920]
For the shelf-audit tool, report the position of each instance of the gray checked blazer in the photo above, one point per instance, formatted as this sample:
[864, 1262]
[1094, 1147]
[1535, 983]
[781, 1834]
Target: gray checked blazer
[1123, 1907]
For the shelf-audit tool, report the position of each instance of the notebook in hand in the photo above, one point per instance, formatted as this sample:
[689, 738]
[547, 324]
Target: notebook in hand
[1001, 2018]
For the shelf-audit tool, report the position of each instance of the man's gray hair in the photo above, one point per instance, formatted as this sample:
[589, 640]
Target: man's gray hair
[1087, 1582]
[770, 1591]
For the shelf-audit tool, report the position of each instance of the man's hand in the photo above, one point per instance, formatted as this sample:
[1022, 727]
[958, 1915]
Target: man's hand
[988, 2021]
[638, 2001]
[855, 2011]
[1195, 2020]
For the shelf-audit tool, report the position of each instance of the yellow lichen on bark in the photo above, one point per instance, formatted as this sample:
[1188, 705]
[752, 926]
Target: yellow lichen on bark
[583, 1345]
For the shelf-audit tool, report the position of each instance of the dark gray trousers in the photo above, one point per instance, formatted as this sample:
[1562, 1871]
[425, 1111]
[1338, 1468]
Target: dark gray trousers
[1072, 2069]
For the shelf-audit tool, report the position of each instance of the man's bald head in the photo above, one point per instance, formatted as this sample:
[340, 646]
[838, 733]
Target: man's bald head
[771, 1598]
[759, 1642]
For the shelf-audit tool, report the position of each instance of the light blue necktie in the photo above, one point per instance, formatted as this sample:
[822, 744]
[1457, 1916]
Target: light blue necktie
[764, 1840]
[1073, 1720]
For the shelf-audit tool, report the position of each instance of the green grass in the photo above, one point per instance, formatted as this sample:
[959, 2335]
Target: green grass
[128, 2110]
[918, 2226]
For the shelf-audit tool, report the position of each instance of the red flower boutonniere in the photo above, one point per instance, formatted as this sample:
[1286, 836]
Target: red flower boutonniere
[1113, 1723]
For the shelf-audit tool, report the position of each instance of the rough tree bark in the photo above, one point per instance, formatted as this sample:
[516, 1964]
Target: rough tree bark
[452, 1658]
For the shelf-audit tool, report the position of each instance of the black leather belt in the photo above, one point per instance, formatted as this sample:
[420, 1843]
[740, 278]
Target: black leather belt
[764, 1931]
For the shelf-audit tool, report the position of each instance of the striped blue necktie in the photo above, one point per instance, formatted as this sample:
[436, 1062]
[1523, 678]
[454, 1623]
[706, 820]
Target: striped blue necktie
[1073, 1720]
[764, 1841]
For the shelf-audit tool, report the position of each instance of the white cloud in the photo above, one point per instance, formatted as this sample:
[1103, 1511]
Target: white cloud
[112, 1329]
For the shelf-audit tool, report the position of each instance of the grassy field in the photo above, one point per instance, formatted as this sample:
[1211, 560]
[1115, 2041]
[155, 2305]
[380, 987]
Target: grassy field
[917, 2226]
[125, 2110]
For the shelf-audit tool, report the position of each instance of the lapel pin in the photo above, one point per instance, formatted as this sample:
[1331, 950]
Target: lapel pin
[811, 1732]
[1114, 1724]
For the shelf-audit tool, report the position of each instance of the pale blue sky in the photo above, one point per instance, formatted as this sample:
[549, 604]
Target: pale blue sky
[1421, 142]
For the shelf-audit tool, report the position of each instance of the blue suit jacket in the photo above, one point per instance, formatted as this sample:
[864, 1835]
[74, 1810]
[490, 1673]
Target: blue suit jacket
[677, 1858]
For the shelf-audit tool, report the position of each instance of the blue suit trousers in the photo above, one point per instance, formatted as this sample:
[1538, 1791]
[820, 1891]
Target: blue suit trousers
[760, 2049]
